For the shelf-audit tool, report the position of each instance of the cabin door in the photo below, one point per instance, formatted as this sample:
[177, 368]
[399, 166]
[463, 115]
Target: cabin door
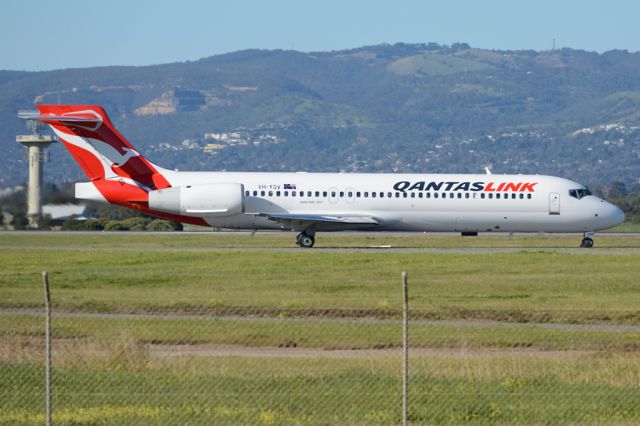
[554, 203]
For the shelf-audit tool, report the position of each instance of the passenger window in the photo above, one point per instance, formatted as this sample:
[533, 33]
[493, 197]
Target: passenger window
[490, 196]
[262, 193]
[428, 195]
[277, 193]
[341, 194]
[373, 195]
[404, 195]
[270, 193]
[333, 194]
[459, 195]
[435, 195]
[366, 195]
[413, 195]
[522, 196]
[397, 195]
[529, 196]
[382, 195]
[482, 196]
[349, 194]
[466, 195]
[309, 193]
[293, 193]
[317, 193]
[513, 196]
[286, 193]
[498, 196]
[255, 193]
[419, 194]
[357, 194]
[246, 193]
[324, 193]
[451, 195]
[389, 194]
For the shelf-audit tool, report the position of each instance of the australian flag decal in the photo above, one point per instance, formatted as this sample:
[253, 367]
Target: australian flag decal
[289, 186]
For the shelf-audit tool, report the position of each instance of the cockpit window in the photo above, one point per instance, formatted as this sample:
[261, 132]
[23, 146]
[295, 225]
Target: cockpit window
[579, 193]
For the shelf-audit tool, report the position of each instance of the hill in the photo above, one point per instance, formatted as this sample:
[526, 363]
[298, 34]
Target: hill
[402, 107]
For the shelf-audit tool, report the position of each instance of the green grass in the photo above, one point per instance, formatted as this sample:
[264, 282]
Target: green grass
[146, 369]
[546, 286]
[463, 390]
[186, 240]
[625, 227]
[18, 329]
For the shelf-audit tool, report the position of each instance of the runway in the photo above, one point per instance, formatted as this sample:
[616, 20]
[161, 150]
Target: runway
[635, 250]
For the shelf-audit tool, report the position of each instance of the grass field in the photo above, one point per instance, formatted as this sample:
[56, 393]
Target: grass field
[242, 336]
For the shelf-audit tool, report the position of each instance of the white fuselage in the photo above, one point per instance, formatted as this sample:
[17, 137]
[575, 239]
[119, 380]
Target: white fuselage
[412, 202]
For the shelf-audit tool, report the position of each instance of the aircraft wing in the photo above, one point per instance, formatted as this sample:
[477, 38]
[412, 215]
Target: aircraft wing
[297, 220]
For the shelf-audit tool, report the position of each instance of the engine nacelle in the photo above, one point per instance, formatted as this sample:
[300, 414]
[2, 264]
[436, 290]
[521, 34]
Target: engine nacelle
[210, 199]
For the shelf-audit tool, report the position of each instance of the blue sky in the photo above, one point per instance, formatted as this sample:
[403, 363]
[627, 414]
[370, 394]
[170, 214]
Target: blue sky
[44, 35]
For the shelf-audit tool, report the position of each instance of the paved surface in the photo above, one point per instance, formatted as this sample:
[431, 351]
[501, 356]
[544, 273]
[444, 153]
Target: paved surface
[635, 250]
[222, 350]
[288, 234]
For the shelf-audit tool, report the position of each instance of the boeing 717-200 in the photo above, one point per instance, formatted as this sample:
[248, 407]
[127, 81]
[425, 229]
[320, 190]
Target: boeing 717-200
[313, 202]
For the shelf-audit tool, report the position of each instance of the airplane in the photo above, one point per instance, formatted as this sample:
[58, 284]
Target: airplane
[315, 202]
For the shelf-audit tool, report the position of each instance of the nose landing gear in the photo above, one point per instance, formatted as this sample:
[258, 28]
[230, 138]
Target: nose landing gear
[587, 241]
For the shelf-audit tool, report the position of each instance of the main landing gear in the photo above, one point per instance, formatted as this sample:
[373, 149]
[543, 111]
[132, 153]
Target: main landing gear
[587, 241]
[305, 239]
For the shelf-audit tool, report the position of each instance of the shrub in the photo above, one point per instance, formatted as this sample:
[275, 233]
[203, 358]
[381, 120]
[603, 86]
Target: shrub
[115, 225]
[160, 225]
[135, 223]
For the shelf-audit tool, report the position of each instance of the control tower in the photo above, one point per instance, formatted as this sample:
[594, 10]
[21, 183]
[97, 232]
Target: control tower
[36, 143]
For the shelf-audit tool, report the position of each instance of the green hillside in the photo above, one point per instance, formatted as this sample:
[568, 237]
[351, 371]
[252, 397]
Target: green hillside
[402, 107]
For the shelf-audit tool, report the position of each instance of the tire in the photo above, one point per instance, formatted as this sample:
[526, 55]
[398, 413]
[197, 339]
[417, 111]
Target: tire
[306, 241]
[586, 243]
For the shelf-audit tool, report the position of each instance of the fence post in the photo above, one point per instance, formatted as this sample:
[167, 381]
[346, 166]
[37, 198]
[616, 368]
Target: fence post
[405, 350]
[47, 346]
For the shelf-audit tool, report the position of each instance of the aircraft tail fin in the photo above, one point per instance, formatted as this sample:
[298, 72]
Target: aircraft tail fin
[100, 150]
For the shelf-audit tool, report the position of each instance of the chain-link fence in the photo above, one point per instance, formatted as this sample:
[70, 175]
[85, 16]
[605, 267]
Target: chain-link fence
[322, 366]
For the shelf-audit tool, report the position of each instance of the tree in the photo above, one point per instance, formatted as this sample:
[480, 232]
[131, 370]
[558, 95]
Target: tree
[617, 190]
[20, 220]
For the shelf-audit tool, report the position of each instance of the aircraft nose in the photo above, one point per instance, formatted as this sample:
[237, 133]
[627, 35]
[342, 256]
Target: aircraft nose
[617, 215]
[613, 215]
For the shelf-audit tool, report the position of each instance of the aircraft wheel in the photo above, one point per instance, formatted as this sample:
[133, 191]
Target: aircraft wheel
[305, 241]
[586, 242]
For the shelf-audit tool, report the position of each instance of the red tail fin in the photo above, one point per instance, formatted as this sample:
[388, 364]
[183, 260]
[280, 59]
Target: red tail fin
[101, 151]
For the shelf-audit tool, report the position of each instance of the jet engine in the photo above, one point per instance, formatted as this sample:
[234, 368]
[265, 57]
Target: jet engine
[210, 199]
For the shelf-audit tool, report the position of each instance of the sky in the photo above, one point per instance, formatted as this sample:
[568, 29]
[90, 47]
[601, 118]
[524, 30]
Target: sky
[38, 35]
